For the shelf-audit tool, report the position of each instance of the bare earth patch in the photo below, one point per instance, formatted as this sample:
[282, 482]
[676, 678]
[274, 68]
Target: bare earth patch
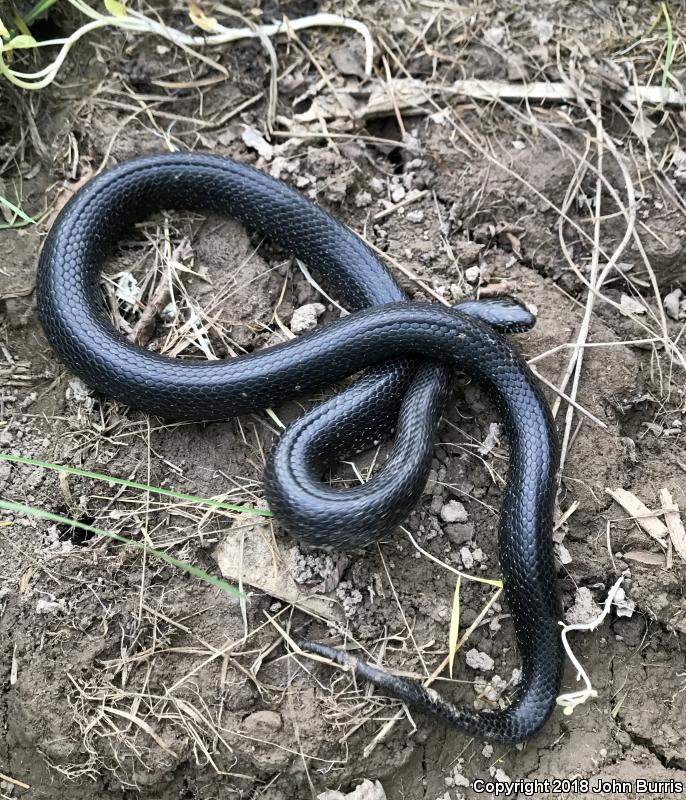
[124, 677]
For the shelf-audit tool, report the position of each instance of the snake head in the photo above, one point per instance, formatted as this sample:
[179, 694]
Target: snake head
[504, 314]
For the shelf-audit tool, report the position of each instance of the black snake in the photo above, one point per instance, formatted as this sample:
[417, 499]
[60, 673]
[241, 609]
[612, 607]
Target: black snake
[409, 350]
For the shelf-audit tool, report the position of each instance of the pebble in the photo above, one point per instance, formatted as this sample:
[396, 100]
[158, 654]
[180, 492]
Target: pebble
[472, 274]
[377, 186]
[672, 304]
[415, 216]
[398, 194]
[466, 557]
[263, 722]
[454, 511]
[305, 318]
[478, 660]
[363, 199]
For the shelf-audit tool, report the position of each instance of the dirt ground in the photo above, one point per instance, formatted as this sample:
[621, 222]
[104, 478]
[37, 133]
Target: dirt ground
[124, 677]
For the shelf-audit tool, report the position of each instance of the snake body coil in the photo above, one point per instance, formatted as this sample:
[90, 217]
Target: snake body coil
[409, 349]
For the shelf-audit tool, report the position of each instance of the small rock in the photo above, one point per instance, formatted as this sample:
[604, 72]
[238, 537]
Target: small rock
[467, 558]
[415, 216]
[363, 199]
[478, 660]
[398, 194]
[487, 752]
[377, 185]
[472, 274]
[44, 606]
[305, 318]
[454, 511]
[263, 722]
[672, 303]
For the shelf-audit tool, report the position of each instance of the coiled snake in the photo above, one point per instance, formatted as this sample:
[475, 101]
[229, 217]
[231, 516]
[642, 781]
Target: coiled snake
[408, 350]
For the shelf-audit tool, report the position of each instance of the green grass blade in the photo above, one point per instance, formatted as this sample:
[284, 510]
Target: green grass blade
[191, 498]
[26, 219]
[17, 508]
[40, 8]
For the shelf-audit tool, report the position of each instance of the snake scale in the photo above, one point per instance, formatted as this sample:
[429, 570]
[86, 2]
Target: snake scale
[408, 351]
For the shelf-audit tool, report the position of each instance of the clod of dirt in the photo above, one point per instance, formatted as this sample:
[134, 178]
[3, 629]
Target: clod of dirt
[350, 598]
[305, 318]
[456, 778]
[454, 511]
[365, 791]
[585, 608]
[466, 557]
[478, 660]
[459, 533]
[262, 723]
[489, 692]
[308, 568]
[44, 606]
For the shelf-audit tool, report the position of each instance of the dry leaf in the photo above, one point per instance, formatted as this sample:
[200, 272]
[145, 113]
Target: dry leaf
[199, 18]
[116, 8]
[243, 556]
[637, 510]
[674, 524]
[645, 557]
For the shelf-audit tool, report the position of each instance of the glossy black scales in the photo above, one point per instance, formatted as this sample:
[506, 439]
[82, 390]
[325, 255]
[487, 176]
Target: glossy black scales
[410, 349]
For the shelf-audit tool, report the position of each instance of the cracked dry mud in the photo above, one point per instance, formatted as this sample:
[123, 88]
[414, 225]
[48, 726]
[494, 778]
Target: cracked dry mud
[104, 694]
